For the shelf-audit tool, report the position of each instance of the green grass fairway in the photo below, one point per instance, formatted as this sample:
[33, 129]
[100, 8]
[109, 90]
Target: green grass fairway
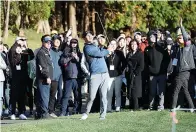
[142, 121]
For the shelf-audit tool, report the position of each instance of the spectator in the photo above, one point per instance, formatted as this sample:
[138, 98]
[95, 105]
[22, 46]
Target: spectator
[57, 73]
[2, 79]
[70, 62]
[144, 38]
[122, 45]
[29, 56]
[18, 57]
[183, 61]
[128, 40]
[44, 74]
[138, 38]
[157, 60]
[116, 64]
[99, 74]
[7, 82]
[135, 64]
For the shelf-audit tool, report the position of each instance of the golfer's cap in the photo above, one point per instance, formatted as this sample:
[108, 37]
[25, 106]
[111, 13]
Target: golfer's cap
[87, 33]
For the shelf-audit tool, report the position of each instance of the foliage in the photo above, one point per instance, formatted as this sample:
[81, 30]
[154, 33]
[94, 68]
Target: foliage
[150, 14]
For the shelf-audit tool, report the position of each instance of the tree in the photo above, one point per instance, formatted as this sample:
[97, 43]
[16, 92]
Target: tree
[72, 18]
[86, 15]
[5, 31]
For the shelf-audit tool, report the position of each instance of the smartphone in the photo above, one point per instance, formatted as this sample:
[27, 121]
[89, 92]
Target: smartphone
[74, 50]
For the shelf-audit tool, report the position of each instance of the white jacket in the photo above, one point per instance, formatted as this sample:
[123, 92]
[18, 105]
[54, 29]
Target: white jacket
[3, 66]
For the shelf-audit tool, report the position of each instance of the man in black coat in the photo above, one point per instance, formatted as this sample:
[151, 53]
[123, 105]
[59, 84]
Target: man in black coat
[44, 74]
[157, 61]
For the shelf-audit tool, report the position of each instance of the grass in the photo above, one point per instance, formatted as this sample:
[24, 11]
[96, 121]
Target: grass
[142, 121]
[34, 39]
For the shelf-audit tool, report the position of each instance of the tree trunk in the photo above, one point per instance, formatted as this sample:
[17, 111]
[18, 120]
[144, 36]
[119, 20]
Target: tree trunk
[17, 22]
[86, 15]
[5, 32]
[58, 14]
[43, 27]
[72, 18]
[46, 27]
[82, 20]
[65, 20]
[93, 21]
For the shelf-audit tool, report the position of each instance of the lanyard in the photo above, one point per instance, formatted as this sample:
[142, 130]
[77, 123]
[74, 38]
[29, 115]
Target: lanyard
[112, 58]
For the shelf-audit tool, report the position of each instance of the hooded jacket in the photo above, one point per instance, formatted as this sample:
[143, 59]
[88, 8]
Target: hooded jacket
[70, 65]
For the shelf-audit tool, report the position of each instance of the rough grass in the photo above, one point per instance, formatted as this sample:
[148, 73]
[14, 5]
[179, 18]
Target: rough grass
[142, 121]
[34, 39]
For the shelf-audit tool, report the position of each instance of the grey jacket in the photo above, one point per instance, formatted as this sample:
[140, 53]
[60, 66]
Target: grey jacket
[3, 66]
[185, 55]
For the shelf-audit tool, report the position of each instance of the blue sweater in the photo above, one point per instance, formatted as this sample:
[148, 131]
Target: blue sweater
[55, 56]
[95, 58]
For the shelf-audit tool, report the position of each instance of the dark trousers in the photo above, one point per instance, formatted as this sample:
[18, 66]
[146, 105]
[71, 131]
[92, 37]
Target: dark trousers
[143, 102]
[133, 100]
[60, 90]
[157, 86]
[70, 85]
[181, 81]
[123, 95]
[43, 93]
[53, 90]
[18, 91]
[30, 93]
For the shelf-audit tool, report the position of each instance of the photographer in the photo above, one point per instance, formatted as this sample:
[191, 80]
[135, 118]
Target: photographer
[70, 62]
[18, 57]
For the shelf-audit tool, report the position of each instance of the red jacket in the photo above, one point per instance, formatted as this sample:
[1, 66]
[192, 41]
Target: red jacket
[143, 45]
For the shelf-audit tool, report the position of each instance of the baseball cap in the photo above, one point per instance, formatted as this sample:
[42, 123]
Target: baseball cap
[139, 33]
[20, 38]
[46, 39]
[100, 36]
[56, 37]
[74, 40]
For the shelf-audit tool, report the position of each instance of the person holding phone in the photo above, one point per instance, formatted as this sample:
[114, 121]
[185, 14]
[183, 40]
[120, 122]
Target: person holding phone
[18, 64]
[70, 63]
[44, 74]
